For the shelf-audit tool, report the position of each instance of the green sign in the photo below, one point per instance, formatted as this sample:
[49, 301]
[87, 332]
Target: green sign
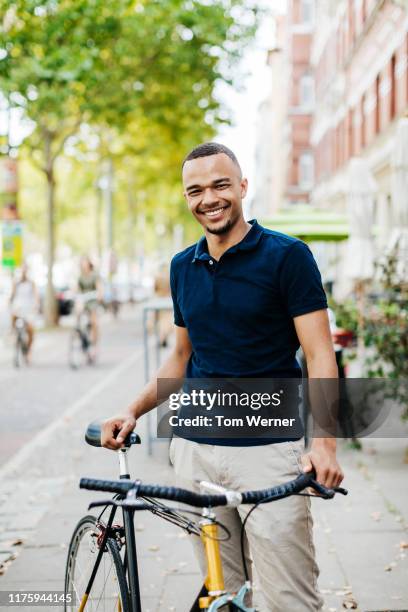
[12, 244]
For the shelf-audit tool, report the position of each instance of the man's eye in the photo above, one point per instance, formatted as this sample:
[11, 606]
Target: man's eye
[194, 193]
[222, 186]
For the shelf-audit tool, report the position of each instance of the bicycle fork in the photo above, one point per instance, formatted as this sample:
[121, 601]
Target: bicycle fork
[130, 557]
[98, 561]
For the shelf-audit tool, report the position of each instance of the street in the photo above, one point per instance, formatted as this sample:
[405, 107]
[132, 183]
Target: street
[361, 540]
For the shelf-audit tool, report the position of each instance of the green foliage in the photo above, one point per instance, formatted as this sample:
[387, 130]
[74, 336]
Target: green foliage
[385, 331]
[139, 75]
[102, 62]
[346, 314]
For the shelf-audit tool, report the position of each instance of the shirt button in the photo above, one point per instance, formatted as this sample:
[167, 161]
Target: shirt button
[211, 262]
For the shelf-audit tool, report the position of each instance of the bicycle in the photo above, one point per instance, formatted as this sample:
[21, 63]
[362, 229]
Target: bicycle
[110, 549]
[80, 343]
[22, 342]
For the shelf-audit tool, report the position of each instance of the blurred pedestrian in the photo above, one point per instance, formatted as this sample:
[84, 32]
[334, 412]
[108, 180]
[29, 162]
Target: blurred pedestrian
[90, 290]
[25, 305]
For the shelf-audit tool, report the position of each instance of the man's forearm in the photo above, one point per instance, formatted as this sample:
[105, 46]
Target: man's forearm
[323, 397]
[173, 368]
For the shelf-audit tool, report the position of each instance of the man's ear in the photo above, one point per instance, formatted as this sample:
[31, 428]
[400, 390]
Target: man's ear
[244, 187]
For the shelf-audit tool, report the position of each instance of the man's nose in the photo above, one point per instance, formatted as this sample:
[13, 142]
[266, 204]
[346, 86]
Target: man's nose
[209, 197]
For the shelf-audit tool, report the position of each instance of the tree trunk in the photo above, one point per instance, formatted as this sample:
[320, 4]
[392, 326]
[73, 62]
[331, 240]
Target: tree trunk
[50, 310]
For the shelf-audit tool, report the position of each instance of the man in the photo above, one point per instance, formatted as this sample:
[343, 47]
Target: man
[244, 297]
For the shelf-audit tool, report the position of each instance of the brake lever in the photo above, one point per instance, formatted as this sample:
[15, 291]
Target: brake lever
[124, 503]
[322, 490]
[107, 502]
[325, 492]
[340, 490]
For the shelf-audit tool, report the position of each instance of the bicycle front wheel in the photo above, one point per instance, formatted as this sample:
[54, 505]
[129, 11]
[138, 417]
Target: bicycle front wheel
[109, 590]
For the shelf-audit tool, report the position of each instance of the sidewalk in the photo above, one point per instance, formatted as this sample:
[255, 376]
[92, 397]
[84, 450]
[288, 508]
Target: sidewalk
[361, 540]
[40, 501]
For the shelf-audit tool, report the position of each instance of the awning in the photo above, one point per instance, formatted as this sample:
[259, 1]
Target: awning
[310, 224]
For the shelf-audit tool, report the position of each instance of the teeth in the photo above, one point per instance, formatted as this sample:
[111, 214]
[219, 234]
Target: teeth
[214, 212]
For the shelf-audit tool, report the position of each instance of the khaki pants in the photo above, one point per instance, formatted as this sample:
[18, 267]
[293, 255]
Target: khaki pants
[278, 535]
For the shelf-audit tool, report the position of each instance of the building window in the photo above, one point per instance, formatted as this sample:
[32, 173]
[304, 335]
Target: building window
[377, 104]
[351, 22]
[364, 10]
[306, 170]
[351, 133]
[393, 100]
[357, 16]
[307, 11]
[306, 90]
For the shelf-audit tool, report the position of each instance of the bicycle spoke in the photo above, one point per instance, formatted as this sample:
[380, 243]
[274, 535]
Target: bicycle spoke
[104, 584]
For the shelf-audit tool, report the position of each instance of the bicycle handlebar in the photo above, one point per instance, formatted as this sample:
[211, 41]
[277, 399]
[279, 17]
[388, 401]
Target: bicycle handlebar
[199, 500]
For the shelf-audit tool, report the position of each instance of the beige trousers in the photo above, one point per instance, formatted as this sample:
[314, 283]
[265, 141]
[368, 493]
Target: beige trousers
[278, 535]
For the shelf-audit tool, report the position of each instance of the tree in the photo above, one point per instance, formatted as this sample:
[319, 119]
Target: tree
[109, 63]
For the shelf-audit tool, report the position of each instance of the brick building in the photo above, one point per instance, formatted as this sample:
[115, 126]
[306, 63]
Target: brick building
[301, 96]
[339, 92]
[285, 164]
[360, 63]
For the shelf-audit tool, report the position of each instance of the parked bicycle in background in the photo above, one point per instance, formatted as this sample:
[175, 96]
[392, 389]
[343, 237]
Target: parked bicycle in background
[24, 307]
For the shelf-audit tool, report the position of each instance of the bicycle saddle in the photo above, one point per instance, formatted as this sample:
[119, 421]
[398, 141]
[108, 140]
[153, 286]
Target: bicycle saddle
[93, 435]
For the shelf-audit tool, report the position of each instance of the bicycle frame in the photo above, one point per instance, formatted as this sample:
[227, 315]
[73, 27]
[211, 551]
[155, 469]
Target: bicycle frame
[214, 583]
[131, 555]
[213, 595]
[134, 496]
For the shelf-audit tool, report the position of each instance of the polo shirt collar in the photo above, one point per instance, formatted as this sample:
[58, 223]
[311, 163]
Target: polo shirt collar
[249, 242]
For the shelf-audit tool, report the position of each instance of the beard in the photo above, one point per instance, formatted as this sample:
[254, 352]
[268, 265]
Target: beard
[223, 229]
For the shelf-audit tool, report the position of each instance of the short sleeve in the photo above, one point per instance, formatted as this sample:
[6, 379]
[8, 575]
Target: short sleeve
[300, 281]
[178, 317]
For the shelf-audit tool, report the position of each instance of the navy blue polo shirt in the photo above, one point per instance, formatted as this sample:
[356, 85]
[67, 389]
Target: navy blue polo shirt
[239, 310]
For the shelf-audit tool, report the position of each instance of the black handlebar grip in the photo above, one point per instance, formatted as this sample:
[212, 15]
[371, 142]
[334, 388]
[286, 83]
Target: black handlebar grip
[93, 435]
[110, 486]
[170, 493]
[294, 486]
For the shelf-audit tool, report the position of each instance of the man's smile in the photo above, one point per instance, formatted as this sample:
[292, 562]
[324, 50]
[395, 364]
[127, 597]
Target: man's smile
[215, 213]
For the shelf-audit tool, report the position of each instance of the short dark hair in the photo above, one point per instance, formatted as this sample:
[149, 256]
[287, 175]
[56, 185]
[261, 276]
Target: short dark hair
[211, 148]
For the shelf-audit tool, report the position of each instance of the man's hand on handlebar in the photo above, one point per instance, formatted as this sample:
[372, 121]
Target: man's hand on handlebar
[322, 459]
[115, 430]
